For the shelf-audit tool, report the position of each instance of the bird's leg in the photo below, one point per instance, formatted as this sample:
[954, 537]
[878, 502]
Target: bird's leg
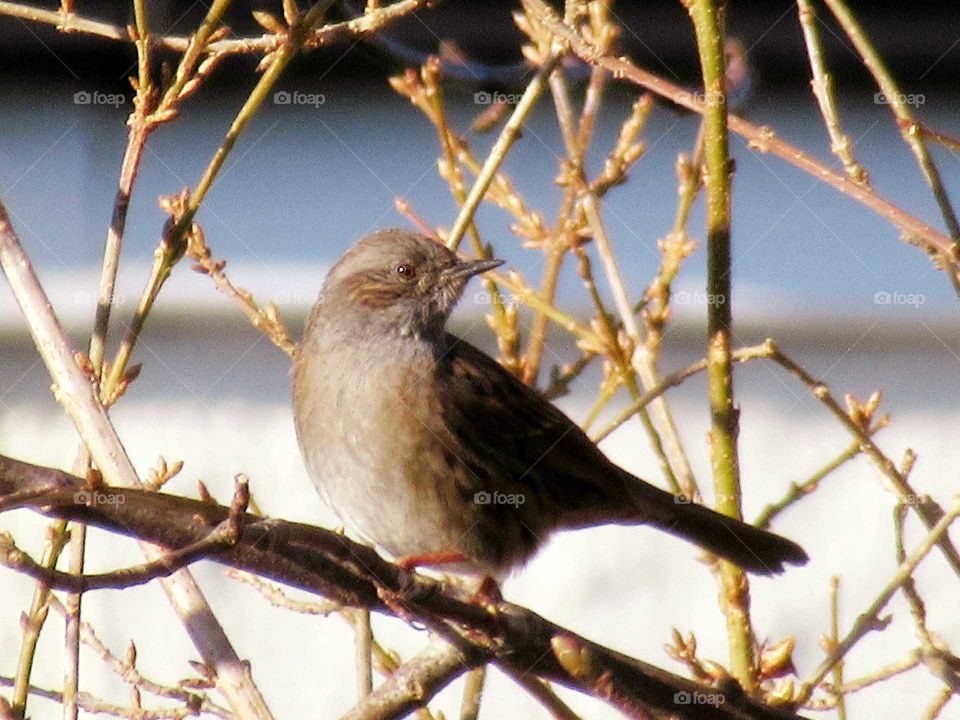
[409, 563]
[487, 595]
[434, 559]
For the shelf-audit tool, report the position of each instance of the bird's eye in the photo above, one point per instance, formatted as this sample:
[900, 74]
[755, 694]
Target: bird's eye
[406, 270]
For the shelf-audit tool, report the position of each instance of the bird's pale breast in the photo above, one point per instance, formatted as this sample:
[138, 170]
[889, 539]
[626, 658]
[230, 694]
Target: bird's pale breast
[374, 450]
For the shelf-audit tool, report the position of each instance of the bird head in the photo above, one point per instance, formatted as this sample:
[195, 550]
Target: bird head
[400, 279]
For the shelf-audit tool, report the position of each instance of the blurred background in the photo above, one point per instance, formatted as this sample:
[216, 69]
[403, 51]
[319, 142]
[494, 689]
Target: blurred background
[833, 283]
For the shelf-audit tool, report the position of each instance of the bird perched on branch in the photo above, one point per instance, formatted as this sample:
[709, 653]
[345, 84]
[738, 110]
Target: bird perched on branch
[430, 450]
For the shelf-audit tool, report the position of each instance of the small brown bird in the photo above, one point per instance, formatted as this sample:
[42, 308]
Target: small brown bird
[430, 450]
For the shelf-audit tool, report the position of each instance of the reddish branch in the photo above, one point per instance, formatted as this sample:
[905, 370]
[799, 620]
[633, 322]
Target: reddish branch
[331, 565]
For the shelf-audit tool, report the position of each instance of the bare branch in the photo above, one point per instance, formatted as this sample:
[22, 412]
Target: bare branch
[327, 563]
[79, 397]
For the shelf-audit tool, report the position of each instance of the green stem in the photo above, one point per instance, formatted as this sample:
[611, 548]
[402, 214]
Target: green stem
[743, 355]
[557, 247]
[909, 126]
[801, 490]
[284, 54]
[822, 85]
[868, 619]
[509, 134]
[197, 45]
[166, 256]
[460, 196]
[33, 621]
[898, 104]
[835, 640]
[735, 590]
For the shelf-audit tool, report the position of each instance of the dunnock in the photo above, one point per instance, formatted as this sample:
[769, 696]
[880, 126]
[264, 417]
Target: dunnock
[429, 449]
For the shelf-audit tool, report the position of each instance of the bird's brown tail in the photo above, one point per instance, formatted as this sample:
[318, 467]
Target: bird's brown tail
[753, 549]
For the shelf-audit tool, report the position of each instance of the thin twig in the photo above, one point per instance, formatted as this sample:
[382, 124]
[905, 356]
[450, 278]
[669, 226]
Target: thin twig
[473, 693]
[762, 139]
[742, 355]
[162, 566]
[898, 105]
[837, 671]
[542, 692]
[71, 22]
[92, 705]
[948, 141]
[934, 653]
[277, 598]
[905, 121]
[278, 61]
[166, 256]
[509, 134]
[909, 661]
[924, 506]
[938, 704]
[33, 620]
[500, 321]
[801, 490]
[71, 665]
[869, 618]
[419, 678]
[822, 84]
[78, 396]
[132, 676]
[363, 647]
[265, 319]
[582, 199]
[558, 240]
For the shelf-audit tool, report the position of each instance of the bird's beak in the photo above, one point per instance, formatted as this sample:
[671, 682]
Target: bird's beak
[469, 268]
